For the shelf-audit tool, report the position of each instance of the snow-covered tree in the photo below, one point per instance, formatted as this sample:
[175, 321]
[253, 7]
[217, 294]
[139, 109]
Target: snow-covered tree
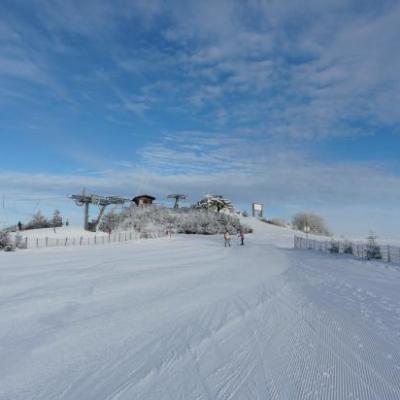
[215, 203]
[4, 239]
[311, 222]
[38, 221]
[57, 219]
[373, 249]
[110, 221]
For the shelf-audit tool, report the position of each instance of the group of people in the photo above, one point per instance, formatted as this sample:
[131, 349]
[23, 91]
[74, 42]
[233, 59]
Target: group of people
[227, 238]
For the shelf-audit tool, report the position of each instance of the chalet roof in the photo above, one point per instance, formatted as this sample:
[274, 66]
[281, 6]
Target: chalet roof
[143, 196]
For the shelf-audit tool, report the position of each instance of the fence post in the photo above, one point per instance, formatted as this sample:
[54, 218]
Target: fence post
[37, 242]
[95, 241]
[47, 241]
[66, 241]
[26, 242]
[80, 241]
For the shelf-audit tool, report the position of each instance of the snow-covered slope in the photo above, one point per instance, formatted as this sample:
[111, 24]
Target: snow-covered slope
[271, 234]
[186, 318]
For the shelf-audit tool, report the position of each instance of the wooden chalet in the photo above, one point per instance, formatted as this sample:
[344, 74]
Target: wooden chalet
[143, 200]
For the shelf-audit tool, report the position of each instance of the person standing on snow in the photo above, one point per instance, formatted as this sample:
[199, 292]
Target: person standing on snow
[227, 239]
[241, 237]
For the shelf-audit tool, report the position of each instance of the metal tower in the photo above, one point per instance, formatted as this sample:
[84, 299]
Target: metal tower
[177, 198]
[83, 200]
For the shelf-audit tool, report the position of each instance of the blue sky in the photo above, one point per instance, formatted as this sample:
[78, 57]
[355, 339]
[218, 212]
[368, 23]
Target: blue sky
[290, 103]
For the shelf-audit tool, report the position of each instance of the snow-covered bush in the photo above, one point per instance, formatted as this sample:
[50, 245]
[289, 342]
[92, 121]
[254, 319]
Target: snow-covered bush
[334, 248]
[5, 241]
[180, 220]
[347, 247]
[19, 241]
[38, 221]
[313, 222]
[373, 250]
[110, 221]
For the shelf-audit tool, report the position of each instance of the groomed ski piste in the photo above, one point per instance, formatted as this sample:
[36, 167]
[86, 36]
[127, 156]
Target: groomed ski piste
[185, 318]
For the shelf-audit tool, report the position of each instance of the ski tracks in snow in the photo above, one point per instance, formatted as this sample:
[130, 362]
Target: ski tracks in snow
[194, 321]
[355, 358]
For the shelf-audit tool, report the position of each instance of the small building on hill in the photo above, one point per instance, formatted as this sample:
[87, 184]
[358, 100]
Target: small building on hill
[143, 200]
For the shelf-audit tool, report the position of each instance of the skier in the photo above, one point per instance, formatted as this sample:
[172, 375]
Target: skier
[241, 237]
[19, 226]
[227, 239]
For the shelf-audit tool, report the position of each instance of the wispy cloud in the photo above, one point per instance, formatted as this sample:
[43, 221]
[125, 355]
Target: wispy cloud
[302, 68]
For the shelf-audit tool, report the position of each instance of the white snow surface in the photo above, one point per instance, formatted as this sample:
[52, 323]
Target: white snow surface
[186, 318]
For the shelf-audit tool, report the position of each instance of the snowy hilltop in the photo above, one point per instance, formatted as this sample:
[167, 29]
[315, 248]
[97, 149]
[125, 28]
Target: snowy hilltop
[180, 220]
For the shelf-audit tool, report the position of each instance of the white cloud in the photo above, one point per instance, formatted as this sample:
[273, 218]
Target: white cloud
[346, 193]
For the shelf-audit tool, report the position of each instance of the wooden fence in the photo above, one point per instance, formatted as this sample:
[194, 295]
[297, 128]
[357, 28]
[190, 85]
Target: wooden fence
[116, 237]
